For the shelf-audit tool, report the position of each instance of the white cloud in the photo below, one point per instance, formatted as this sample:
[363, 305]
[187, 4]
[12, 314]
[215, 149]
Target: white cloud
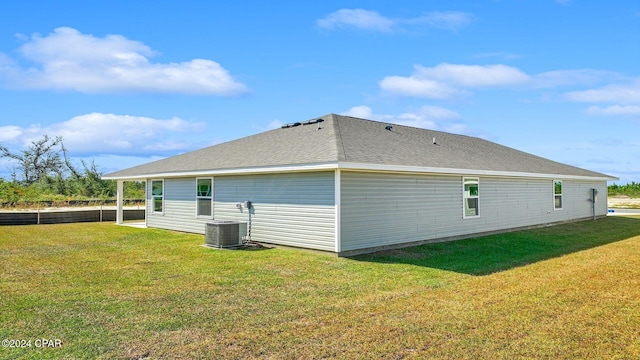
[69, 60]
[362, 111]
[417, 87]
[557, 78]
[614, 110]
[474, 75]
[10, 133]
[416, 120]
[624, 99]
[372, 21]
[274, 124]
[98, 133]
[626, 94]
[445, 80]
[499, 54]
[111, 163]
[449, 20]
[434, 118]
[6, 62]
[426, 117]
[356, 18]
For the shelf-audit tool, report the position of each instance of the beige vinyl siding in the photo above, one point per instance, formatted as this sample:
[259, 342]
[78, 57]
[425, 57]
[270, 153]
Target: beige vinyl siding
[380, 209]
[179, 207]
[576, 196]
[296, 209]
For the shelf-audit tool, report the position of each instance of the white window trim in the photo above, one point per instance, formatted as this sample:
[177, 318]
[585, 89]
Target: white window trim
[204, 197]
[553, 192]
[464, 198]
[153, 204]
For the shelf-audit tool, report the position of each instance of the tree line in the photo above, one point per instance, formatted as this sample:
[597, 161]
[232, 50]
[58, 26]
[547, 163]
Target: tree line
[631, 189]
[43, 171]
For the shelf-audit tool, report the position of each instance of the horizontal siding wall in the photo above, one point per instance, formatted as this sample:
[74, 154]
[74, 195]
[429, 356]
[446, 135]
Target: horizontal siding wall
[295, 209]
[577, 195]
[179, 207]
[387, 209]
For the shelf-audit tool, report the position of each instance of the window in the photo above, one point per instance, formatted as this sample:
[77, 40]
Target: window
[157, 194]
[471, 197]
[203, 196]
[557, 194]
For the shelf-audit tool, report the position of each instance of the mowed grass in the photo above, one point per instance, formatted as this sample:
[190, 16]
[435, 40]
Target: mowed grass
[569, 291]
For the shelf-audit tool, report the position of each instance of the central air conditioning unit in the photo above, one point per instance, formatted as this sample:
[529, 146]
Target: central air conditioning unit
[221, 234]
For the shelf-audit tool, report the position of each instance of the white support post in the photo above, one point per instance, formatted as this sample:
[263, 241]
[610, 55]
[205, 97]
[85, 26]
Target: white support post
[337, 190]
[119, 197]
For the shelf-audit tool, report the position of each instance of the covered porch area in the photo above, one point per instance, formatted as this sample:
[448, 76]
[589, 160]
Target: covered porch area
[120, 206]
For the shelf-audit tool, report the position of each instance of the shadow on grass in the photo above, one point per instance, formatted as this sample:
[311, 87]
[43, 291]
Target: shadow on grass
[245, 247]
[494, 253]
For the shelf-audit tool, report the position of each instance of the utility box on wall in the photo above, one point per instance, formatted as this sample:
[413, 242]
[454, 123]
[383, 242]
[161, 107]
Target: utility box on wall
[224, 234]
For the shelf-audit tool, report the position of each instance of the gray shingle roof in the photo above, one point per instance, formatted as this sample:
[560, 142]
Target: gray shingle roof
[344, 139]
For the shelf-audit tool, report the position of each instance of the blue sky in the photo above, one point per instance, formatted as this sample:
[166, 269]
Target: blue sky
[127, 82]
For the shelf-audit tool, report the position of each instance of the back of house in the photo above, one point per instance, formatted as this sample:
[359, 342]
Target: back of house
[349, 186]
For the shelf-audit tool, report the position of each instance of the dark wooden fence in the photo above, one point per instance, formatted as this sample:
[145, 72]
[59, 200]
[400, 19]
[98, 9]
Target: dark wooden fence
[67, 203]
[57, 217]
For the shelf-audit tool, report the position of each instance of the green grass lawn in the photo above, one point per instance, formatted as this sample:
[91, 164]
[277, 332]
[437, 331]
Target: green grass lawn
[107, 291]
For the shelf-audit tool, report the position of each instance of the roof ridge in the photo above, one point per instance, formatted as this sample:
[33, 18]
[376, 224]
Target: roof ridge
[342, 154]
[411, 127]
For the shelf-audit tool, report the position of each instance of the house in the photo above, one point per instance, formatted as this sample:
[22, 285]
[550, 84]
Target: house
[349, 186]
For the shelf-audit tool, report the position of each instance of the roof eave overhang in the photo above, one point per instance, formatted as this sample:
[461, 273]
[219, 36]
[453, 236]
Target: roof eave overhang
[232, 171]
[355, 167]
[454, 171]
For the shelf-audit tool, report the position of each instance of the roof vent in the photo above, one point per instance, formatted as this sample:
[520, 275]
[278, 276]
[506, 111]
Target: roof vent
[309, 122]
[388, 127]
[312, 121]
[285, 126]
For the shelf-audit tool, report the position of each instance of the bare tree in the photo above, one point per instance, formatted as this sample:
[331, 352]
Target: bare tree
[40, 160]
